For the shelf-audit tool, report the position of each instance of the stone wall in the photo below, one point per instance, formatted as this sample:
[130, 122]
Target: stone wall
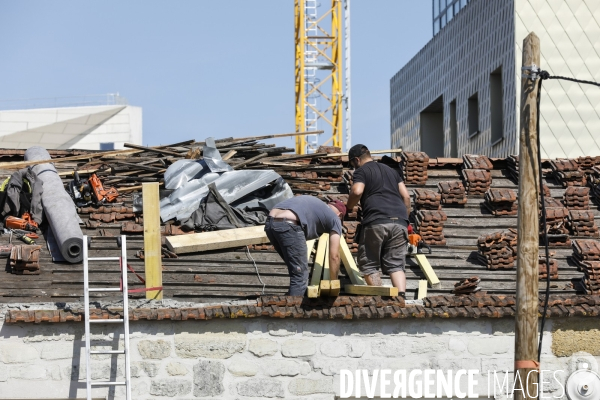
[263, 358]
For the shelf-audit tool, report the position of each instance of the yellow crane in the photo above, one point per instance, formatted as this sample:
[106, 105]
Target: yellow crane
[319, 71]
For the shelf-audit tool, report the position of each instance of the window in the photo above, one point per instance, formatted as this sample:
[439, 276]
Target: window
[496, 104]
[453, 130]
[432, 128]
[107, 146]
[473, 115]
[436, 7]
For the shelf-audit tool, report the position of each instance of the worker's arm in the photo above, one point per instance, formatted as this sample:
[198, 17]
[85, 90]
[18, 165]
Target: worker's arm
[334, 255]
[405, 196]
[356, 192]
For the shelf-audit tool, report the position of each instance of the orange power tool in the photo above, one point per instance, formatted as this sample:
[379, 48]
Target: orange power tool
[25, 223]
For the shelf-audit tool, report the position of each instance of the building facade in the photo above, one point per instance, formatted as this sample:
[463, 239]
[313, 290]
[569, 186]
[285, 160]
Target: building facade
[104, 127]
[460, 93]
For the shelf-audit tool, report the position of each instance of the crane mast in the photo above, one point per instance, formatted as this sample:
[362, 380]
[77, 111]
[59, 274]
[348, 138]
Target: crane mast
[319, 87]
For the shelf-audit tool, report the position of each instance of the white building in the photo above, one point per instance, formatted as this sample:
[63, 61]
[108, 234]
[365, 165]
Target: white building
[460, 93]
[93, 127]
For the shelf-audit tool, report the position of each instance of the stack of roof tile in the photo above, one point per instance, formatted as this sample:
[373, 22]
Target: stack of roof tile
[350, 228]
[568, 173]
[595, 183]
[25, 259]
[512, 163]
[415, 167]
[501, 201]
[351, 215]
[472, 161]
[543, 269]
[586, 254]
[430, 225]
[581, 223]
[586, 163]
[558, 234]
[467, 286]
[477, 181]
[498, 250]
[577, 198]
[453, 193]
[424, 199]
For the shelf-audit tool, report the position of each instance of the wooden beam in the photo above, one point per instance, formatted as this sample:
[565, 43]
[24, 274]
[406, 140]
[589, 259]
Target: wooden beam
[371, 151]
[250, 161]
[432, 278]
[325, 284]
[349, 264]
[152, 240]
[133, 188]
[366, 290]
[314, 287]
[145, 148]
[216, 240]
[334, 287]
[422, 289]
[527, 299]
[228, 155]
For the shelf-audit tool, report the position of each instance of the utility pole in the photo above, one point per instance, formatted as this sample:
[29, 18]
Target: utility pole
[526, 324]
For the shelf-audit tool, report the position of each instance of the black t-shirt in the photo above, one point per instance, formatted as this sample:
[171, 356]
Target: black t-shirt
[381, 198]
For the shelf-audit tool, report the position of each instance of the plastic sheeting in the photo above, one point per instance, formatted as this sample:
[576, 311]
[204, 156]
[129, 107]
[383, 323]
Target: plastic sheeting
[232, 185]
[212, 157]
[190, 179]
[181, 172]
[267, 197]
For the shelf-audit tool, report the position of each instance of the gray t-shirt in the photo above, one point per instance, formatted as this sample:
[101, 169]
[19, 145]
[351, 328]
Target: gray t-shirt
[315, 216]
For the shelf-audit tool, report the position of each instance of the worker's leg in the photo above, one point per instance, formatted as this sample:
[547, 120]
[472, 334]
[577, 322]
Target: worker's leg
[399, 281]
[369, 252]
[393, 255]
[291, 245]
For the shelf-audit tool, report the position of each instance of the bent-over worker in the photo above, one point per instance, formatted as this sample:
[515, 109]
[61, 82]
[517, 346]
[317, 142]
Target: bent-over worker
[302, 218]
[385, 206]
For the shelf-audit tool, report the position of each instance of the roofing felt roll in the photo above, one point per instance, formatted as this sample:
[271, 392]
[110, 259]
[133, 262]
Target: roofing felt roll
[58, 207]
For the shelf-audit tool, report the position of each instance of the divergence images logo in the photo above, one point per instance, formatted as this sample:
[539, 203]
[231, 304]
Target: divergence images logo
[432, 384]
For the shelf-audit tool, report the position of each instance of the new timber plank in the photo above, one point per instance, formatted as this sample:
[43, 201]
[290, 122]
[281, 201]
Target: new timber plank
[152, 240]
[350, 264]
[422, 289]
[314, 287]
[366, 290]
[325, 285]
[215, 240]
[427, 269]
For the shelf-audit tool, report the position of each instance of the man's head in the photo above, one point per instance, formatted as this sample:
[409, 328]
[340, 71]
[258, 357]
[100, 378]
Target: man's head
[338, 207]
[358, 155]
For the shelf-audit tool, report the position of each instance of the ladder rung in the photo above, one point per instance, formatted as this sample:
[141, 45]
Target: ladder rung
[105, 321]
[108, 383]
[105, 289]
[104, 258]
[107, 352]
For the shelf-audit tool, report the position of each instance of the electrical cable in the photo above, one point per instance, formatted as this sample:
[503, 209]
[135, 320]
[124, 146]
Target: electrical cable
[256, 268]
[546, 75]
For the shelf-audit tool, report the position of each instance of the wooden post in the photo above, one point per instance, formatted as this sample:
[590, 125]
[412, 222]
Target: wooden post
[526, 323]
[152, 243]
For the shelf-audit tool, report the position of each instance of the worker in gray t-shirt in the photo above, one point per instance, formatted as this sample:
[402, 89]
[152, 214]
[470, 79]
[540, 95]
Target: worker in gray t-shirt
[302, 218]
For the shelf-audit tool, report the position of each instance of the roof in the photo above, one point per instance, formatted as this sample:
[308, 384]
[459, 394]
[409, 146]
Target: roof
[231, 275]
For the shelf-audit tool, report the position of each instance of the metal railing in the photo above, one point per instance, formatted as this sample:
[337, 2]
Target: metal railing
[109, 99]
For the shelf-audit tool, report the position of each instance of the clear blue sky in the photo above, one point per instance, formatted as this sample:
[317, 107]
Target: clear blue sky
[200, 68]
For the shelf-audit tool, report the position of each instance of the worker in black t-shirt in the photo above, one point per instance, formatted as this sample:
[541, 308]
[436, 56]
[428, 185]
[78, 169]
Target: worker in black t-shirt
[385, 206]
